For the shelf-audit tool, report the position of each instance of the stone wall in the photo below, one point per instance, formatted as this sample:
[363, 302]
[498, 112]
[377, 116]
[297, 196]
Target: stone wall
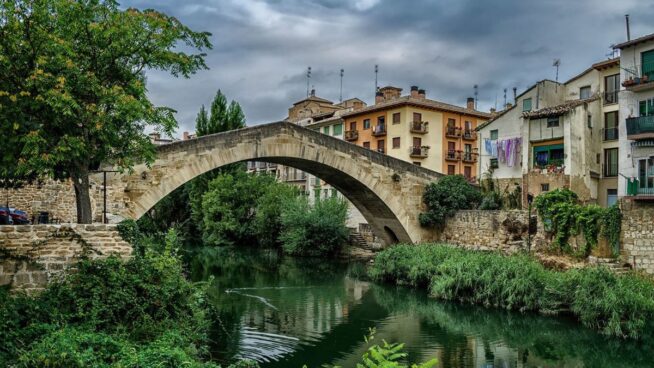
[32, 255]
[637, 246]
[507, 231]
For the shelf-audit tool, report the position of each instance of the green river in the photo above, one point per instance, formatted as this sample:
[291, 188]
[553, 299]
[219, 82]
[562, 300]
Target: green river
[287, 312]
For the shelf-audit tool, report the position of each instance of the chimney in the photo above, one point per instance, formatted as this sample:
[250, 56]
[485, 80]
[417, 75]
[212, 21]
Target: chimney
[379, 97]
[421, 93]
[470, 103]
[313, 92]
[414, 91]
[515, 95]
[508, 105]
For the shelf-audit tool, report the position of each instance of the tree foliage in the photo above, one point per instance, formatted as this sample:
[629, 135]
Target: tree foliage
[73, 86]
[314, 230]
[446, 196]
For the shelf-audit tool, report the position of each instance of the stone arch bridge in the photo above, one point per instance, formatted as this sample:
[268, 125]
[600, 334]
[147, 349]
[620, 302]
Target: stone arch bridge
[387, 191]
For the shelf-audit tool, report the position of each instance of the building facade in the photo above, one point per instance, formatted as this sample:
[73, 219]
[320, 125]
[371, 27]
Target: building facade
[559, 135]
[636, 127]
[413, 128]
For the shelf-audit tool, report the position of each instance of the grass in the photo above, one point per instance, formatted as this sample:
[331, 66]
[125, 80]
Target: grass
[620, 306]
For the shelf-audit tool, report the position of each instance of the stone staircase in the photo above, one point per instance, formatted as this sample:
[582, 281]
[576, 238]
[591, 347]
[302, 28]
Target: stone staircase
[611, 263]
[357, 239]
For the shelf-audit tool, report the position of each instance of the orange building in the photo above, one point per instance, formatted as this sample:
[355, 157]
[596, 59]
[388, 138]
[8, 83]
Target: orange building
[429, 133]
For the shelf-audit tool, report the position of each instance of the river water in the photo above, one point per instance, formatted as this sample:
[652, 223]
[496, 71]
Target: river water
[286, 312]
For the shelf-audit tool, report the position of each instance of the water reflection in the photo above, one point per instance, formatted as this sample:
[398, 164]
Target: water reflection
[286, 312]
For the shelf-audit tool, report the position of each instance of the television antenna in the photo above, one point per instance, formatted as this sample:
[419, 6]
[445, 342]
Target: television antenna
[308, 79]
[341, 94]
[557, 63]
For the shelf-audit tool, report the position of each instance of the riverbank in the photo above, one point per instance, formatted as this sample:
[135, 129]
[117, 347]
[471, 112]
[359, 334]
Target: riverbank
[615, 305]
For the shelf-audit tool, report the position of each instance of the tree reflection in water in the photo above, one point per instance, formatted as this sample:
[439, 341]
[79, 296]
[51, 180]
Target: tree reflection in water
[286, 312]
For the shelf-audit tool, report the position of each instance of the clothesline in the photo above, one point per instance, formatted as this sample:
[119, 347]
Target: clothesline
[507, 151]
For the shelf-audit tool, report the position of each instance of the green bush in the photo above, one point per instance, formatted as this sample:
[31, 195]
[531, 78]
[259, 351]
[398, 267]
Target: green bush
[268, 216]
[106, 305]
[446, 196]
[620, 306]
[314, 230]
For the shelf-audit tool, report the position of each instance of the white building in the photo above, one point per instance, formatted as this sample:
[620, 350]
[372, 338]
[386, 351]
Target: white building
[637, 119]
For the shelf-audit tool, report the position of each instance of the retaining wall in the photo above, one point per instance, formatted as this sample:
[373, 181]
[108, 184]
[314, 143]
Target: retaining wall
[32, 255]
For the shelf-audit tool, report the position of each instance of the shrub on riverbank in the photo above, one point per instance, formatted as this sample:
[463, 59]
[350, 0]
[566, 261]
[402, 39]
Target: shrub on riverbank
[615, 305]
[314, 230]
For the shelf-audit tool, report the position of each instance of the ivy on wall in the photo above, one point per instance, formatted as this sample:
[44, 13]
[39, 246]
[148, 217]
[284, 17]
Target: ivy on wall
[564, 217]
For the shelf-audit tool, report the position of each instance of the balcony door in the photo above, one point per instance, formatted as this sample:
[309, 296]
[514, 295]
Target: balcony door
[611, 88]
[646, 107]
[646, 176]
[417, 142]
[647, 64]
[353, 125]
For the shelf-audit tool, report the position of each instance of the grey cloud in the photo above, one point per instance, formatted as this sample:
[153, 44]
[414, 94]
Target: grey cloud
[262, 48]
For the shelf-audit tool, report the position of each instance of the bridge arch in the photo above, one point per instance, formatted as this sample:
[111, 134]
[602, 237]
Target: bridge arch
[387, 191]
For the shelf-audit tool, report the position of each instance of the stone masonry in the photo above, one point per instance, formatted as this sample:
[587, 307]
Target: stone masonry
[637, 243]
[506, 231]
[33, 255]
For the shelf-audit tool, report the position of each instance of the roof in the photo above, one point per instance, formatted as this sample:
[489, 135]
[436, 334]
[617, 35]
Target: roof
[649, 37]
[419, 102]
[497, 116]
[313, 98]
[558, 109]
[328, 121]
[607, 63]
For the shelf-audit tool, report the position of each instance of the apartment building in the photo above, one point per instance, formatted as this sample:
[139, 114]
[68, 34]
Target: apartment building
[413, 128]
[559, 135]
[636, 127]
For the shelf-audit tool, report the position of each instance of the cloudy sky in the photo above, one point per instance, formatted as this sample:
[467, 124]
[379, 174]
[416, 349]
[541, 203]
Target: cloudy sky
[262, 48]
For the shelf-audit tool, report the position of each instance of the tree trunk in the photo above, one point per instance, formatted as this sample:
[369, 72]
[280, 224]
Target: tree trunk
[82, 196]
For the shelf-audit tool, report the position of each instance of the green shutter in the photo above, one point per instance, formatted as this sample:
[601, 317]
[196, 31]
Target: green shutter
[338, 129]
[493, 134]
[526, 104]
[325, 130]
[647, 59]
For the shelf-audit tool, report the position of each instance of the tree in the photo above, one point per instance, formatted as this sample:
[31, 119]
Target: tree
[446, 196]
[72, 76]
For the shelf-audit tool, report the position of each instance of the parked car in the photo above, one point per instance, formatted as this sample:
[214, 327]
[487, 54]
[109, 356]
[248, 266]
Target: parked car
[19, 217]
[5, 216]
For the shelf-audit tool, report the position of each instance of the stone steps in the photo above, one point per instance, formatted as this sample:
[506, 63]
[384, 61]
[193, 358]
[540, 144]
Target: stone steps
[357, 239]
[612, 264]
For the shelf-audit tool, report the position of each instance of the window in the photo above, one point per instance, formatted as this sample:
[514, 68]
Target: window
[545, 187]
[366, 124]
[467, 172]
[353, 125]
[396, 142]
[451, 146]
[646, 175]
[451, 123]
[611, 89]
[417, 116]
[396, 118]
[493, 134]
[467, 148]
[646, 107]
[611, 197]
[468, 126]
[584, 92]
[450, 170]
[553, 122]
[494, 163]
[380, 120]
[526, 104]
[380, 146]
[548, 155]
[338, 129]
[590, 121]
[325, 130]
[366, 145]
[611, 126]
[611, 162]
[417, 142]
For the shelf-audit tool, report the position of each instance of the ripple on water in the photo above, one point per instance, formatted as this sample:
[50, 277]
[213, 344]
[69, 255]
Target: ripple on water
[264, 346]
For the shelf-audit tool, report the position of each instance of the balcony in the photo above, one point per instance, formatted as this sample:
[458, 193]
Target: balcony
[642, 83]
[453, 132]
[451, 155]
[610, 134]
[419, 152]
[640, 128]
[470, 157]
[351, 135]
[419, 127]
[469, 135]
[611, 97]
[638, 191]
[379, 130]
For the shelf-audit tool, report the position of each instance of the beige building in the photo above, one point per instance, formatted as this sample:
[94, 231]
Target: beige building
[560, 135]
